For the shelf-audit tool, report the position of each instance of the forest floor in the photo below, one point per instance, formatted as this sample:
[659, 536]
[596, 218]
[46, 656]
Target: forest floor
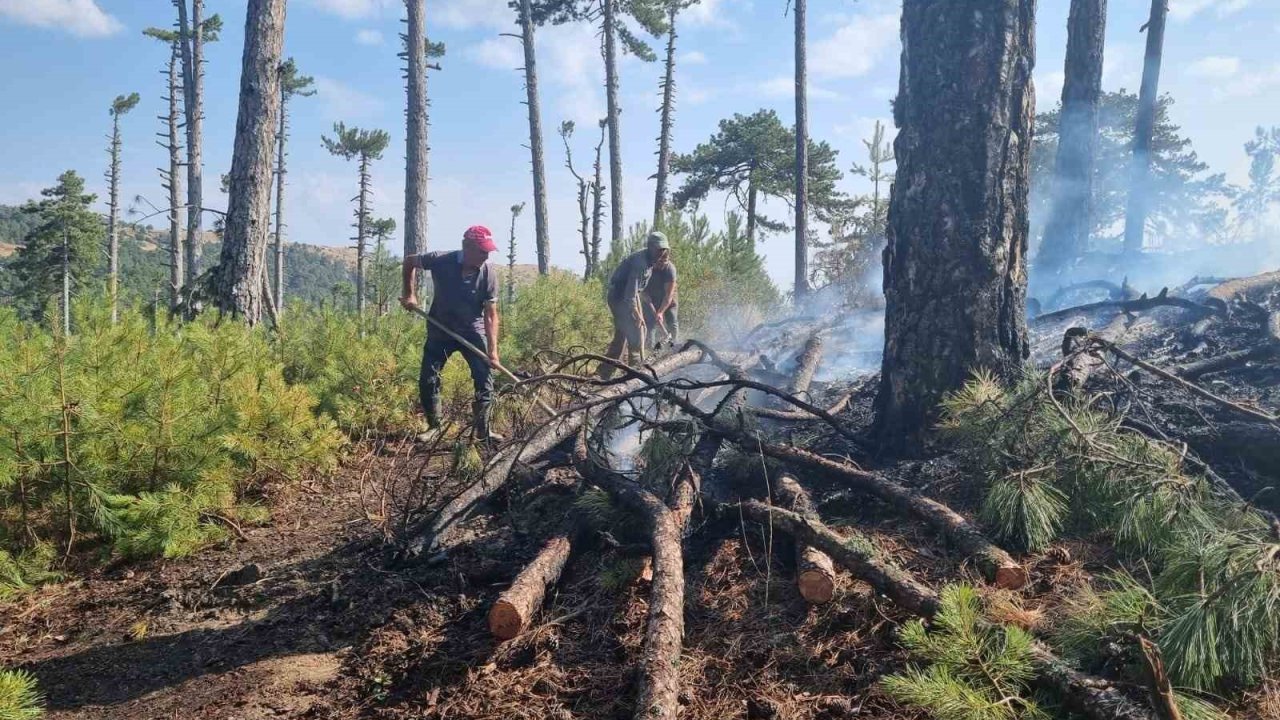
[304, 618]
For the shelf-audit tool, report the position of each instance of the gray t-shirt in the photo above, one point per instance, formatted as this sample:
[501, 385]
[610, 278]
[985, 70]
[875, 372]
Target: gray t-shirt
[630, 278]
[661, 278]
[460, 296]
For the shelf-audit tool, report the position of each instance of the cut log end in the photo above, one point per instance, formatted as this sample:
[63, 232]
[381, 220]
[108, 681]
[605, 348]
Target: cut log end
[505, 620]
[1011, 577]
[817, 587]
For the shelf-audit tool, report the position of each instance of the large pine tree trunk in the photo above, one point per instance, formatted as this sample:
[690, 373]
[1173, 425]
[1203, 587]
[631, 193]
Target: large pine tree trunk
[1135, 218]
[1066, 236]
[237, 285]
[955, 263]
[613, 111]
[113, 220]
[668, 108]
[802, 156]
[278, 242]
[191, 36]
[751, 212]
[362, 217]
[415, 184]
[174, 185]
[540, 225]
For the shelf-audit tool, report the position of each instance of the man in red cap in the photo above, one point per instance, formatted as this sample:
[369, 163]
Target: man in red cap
[465, 301]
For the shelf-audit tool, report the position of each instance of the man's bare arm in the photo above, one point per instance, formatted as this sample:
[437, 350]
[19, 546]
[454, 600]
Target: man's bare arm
[408, 280]
[669, 299]
[491, 330]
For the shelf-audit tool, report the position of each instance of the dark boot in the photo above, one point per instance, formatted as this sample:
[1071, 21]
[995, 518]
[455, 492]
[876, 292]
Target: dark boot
[480, 422]
[432, 413]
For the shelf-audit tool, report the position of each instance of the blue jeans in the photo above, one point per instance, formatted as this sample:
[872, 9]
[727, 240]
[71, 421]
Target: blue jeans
[434, 356]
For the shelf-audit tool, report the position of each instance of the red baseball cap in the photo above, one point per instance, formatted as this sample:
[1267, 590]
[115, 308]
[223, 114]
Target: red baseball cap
[481, 236]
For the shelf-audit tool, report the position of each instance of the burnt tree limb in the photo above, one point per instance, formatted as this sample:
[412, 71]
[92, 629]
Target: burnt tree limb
[1163, 299]
[815, 574]
[1241, 287]
[1094, 697]
[515, 608]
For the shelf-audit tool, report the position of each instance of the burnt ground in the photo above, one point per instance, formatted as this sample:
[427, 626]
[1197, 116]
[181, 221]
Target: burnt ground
[306, 619]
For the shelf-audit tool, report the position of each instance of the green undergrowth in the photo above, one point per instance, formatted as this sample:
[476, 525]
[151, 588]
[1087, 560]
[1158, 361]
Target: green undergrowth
[967, 666]
[19, 697]
[1199, 572]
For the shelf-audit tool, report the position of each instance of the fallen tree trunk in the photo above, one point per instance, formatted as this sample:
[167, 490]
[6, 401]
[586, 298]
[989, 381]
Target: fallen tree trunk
[807, 365]
[658, 697]
[1094, 697]
[427, 535]
[1225, 361]
[815, 573]
[514, 609]
[1233, 289]
[1131, 306]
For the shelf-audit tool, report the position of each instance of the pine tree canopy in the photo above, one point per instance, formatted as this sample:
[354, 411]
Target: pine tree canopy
[37, 266]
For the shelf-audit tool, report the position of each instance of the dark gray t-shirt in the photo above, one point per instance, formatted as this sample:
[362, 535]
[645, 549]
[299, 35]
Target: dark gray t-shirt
[630, 278]
[661, 278]
[459, 297]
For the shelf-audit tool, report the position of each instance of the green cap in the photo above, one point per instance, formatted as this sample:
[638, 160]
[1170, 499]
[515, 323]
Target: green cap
[658, 240]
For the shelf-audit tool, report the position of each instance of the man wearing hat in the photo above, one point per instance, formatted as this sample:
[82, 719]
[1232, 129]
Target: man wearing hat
[465, 301]
[629, 302]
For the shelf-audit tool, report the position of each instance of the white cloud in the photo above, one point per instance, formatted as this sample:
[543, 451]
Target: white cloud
[784, 86]
[707, 13]
[1183, 10]
[465, 14]
[497, 53]
[358, 9]
[79, 17]
[693, 57]
[856, 47]
[340, 101]
[1214, 67]
[369, 37]
[1122, 67]
[1248, 84]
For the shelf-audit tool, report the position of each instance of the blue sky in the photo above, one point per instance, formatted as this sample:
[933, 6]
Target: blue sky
[65, 60]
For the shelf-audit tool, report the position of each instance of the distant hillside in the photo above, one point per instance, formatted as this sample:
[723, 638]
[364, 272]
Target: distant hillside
[312, 272]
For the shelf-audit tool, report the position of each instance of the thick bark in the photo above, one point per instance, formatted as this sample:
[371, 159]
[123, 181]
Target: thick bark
[815, 573]
[113, 219]
[1066, 236]
[540, 224]
[173, 183]
[752, 194]
[802, 155]
[1095, 698]
[192, 39]
[514, 609]
[1135, 217]
[658, 697]
[665, 114]
[429, 534]
[415, 183]
[278, 243]
[807, 365]
[614, 111]
[362, 224]
[237, 284]
[955, 263]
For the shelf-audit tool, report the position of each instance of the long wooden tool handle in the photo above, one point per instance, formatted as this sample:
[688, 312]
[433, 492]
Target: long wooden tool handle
[478, 353]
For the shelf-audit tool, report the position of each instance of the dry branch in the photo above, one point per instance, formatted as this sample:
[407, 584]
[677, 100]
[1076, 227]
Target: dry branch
[428, 534]
[815, 574]
[1094, 697]
[1131, 306]
[1225, 361]
[995, 564]
[800, 415]
[1188, 386]
[514, 609]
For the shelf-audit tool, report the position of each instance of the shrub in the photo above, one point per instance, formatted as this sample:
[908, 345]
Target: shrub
[19, 698]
